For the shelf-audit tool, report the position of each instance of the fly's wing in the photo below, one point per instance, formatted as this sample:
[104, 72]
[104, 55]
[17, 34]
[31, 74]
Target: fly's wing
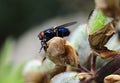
[66, 24]
[61, 31]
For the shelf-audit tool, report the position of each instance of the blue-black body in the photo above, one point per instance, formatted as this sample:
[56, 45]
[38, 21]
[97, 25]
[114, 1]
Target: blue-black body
[48, 34]
[62, 32]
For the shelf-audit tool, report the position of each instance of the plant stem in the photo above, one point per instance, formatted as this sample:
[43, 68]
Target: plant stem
[108, 69]
[93, 62]
[82, 69]
[117, 72]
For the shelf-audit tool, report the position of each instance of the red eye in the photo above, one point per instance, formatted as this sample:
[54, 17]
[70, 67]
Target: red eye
[41, 35]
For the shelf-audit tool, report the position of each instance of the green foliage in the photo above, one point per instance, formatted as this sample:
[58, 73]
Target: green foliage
[97, 22]
[9, 73]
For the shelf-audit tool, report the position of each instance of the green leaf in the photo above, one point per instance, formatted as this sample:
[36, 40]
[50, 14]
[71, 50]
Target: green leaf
[97, 21]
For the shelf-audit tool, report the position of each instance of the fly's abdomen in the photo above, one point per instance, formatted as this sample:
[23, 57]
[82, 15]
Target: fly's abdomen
[63, 32]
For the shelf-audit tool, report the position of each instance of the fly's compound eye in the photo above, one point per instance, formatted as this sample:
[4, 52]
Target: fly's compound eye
[41, 35]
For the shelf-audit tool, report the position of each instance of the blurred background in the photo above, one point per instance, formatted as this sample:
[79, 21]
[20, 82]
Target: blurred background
[20, 17]
[22, 20]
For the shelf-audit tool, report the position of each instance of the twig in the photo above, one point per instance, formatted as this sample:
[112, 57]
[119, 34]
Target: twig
[108, 69]
[82, 69]
[93, 62]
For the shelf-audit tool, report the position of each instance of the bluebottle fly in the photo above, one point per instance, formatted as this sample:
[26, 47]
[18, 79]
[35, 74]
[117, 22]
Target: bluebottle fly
[58, 31]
